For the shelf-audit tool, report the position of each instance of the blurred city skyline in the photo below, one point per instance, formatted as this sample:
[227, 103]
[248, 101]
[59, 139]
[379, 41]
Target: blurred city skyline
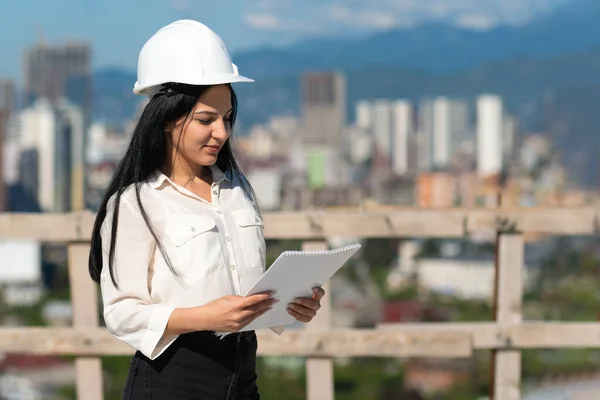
[117, 30]
[364, 106]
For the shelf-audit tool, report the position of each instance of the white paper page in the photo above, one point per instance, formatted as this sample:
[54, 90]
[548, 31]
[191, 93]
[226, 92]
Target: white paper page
[293, 275]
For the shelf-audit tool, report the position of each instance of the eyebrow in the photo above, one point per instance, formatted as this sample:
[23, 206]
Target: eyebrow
[211, 112]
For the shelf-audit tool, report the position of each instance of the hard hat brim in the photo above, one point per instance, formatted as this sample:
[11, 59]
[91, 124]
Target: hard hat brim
[215, 80]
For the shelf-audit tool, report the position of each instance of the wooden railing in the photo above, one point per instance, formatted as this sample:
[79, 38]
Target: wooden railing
[506, 337]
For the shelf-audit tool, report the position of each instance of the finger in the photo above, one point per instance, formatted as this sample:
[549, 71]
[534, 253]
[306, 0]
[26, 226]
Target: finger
[259, 306]
[298, 316]
[253, 316]
[300, 309]
[308, 303]
[319, 292]
[255, 299]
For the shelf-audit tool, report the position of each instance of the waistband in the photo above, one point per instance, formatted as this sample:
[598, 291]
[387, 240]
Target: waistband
[212, 337]
[197, 346]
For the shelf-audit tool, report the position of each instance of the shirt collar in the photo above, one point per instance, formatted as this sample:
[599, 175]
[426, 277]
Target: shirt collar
[157, 179]
[218, 175]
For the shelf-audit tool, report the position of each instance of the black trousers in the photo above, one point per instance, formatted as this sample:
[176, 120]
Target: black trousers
[197, 366]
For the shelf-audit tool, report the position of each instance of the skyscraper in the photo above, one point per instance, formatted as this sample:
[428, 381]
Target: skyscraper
[324, 108]
[61, 74]
[403, 155]
[381, 126]
[364, 114]
[323, 121]
[52, 137]
[390, 125]
[444, 127]
[7, 105]
[7, 95]
[490, 125]
[57, 72]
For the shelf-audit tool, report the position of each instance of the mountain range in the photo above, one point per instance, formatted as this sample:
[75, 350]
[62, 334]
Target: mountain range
[550, 63]
[436, 47]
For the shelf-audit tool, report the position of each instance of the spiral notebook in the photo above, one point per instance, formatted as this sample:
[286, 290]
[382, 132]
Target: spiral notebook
[294, 274]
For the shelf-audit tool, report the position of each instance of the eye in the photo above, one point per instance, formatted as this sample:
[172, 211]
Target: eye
[205, 121]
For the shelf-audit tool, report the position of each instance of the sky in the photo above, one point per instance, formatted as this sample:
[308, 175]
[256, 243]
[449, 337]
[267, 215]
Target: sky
[118, 28]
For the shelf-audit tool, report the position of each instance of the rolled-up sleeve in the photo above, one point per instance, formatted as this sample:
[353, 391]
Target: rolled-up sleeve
[129, 313]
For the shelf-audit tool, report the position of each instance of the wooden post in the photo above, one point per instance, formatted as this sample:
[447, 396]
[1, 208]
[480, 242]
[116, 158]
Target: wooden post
[84, 298]
[319, 371]
[509, 289]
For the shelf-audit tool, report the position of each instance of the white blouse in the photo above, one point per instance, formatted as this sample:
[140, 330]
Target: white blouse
[217, 248]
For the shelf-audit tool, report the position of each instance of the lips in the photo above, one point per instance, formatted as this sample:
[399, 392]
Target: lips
[214, 148]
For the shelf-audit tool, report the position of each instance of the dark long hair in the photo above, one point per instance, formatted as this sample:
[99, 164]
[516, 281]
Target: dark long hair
[147, 153]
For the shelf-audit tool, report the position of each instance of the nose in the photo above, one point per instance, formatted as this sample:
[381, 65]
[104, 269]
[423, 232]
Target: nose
[221, 129]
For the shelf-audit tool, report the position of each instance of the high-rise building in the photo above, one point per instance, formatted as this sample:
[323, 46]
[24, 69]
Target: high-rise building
[442, 132]
[52, 139]
[74, 148]
[59, 72]
[7, 95]
[7, 105]
[490, 126]
[444, 127]
[28, 171]
[508, 136]
[382, 127]
[364, 114]
[3, 194]
[403, 159]
[425, 137]
[324, 108]
[460, 128]
[390, 124]
[323, 121]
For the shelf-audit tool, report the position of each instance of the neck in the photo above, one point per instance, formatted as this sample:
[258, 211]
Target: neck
[182, 173]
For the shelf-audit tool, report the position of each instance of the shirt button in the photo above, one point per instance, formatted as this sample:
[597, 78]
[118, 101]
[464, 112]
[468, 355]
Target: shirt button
[219, 212]
[232, 267]
[193, 229]
[215, 192]
[227, 238]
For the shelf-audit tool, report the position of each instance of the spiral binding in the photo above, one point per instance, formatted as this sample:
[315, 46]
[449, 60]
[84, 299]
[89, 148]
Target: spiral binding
[344, 249]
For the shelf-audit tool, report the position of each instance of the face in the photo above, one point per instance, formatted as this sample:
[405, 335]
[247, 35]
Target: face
[198, 140]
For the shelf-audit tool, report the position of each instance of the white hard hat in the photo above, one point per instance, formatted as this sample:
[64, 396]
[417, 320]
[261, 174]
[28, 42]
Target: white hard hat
[185, 52]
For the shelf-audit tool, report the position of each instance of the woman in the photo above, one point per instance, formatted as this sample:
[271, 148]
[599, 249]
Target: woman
[178, 238]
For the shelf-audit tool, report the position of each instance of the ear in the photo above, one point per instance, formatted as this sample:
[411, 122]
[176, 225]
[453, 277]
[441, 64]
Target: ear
[169, 127]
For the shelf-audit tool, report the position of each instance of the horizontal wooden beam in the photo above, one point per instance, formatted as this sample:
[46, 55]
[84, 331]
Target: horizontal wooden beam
[366, 343]
[45, 227]
[529, 335]
[559, 221]
[371, 224]
[335, 343]
[405, 222]
[387, 340]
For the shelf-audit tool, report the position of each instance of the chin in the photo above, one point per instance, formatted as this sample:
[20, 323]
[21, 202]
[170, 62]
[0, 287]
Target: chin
[206, 161]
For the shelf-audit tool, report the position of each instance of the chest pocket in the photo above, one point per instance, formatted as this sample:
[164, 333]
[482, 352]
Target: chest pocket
[249, 227]
[194, 243]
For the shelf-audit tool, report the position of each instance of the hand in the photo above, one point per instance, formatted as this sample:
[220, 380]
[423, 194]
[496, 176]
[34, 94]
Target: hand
[305, 308]
[233, 313]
